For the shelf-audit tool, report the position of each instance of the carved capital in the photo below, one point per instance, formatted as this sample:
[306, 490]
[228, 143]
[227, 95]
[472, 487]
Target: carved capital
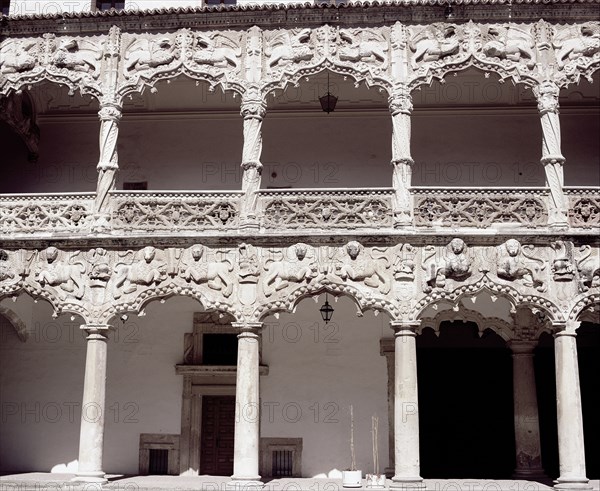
[400, 102]
[522, 348]
[248, 330]
[96, 332]
[246, 166]
[110, 111]
[405, 328]
[547, 94]
[403, 161]
[565, 328]
[253, 109]
[552, 159]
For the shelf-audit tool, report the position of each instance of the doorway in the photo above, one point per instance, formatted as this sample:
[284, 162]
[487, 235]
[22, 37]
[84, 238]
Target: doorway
[217, 432]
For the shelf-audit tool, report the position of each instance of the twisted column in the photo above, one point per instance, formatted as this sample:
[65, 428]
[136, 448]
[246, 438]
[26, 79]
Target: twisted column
[110, 114]
[406, 408]
[91, 436]
[253, 111]
[552, 159]
[571, 451]
[400, 103]
[527, 424]
[247, 410]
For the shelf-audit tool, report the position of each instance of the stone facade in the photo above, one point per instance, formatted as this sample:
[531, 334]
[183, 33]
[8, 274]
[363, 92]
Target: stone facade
[414, 254]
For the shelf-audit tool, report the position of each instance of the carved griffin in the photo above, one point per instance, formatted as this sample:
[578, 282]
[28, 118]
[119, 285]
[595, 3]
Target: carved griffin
[71, 56]
[365, 45]
[17, 56]
[577, 41]
[216, 50]
[434, 43]
[285, 48]
[145, 54]
[510, 43]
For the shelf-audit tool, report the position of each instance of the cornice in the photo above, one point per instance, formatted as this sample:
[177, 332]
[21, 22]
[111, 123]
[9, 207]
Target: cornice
[300, 15]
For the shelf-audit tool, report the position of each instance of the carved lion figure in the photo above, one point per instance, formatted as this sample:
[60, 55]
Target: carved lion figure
[147, 54]
[68, 277]
[145, 272]
[455, 264]
[69, 55]
[216, 275]
[281, 273]
[514, 264]
[364, 268]
[363, 45]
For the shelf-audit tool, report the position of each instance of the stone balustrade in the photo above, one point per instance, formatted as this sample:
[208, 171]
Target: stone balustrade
[288, 210]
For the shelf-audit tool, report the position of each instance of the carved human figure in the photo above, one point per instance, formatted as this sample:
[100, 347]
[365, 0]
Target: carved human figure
[364, 268]
[279, 274]
[66, 276]
[577, 41]
[287, 47]
[145, 271]
[434, 43]
[514, 264]
[17, 56]
[69, 55]
[510, 43]
[216, 275]
[454, 264]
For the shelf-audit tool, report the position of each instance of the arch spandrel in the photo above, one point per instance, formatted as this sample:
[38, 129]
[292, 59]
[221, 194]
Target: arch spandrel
[71, 60]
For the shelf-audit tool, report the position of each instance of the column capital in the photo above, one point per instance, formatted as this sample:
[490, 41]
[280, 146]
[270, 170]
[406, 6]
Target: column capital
[96, 327]
[400, 102]
[405, 328]
[521, 347]
[403, 161]
[253, 108]
[248, 329]
[565, 328]
[110, 111]
[546, 94]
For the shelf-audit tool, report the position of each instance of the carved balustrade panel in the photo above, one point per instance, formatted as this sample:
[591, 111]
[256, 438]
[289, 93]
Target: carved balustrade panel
[479, 208]
[48, 214]
[173, 211]
[584, 207]
[321, 209]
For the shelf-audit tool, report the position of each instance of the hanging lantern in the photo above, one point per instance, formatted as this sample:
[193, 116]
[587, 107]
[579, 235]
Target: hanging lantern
[326, 311]
[328, 101]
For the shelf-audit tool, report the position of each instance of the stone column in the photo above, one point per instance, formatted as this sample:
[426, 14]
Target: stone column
[400, 103]
[247, 409]
[406, 408]
[253, 110]
[91, 436]
[110, 114]
[527, 424]
[386, 348]
[571, 452]
[552, 159]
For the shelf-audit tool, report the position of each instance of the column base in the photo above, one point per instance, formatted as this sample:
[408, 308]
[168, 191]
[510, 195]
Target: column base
[90, 477]
[572, 483]
[245, 484]
[530, 474]
[389, 472]
[408, 483]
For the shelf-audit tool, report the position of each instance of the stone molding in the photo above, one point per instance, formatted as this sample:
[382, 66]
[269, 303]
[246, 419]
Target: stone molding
[256, 61]
[559, 280]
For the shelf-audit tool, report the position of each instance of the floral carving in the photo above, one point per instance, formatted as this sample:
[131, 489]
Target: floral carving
[585, 212]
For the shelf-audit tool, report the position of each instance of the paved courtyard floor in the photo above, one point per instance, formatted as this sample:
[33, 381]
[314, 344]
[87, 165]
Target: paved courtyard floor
[38, 481]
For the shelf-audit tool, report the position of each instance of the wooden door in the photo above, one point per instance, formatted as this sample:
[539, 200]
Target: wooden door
[216, 446]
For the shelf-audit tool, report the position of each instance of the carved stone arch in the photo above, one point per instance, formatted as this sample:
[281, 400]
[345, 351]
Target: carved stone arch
[15, 321]
[293, 78]
[148, 59]
[363, 302]
[67, 60]
[138, 303]
[535, 302]
[586, 305]
[499, 326]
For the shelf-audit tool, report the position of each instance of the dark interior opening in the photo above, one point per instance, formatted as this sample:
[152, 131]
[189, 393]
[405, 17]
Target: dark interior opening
[219, 349]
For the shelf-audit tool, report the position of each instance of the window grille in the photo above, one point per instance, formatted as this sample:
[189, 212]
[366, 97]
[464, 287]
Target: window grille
[283, 463]
[158, 464]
